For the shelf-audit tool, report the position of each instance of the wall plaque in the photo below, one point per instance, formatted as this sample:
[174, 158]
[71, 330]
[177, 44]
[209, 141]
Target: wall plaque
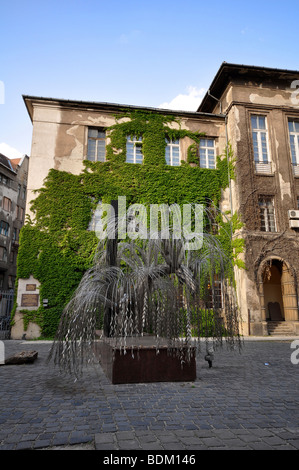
[29, 300]
[30, 287]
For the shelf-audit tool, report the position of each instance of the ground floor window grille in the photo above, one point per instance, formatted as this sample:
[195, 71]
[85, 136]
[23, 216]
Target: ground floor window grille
[267, 214]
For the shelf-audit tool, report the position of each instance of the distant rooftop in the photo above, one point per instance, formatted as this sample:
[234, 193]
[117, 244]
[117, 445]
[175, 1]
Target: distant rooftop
[8, 163]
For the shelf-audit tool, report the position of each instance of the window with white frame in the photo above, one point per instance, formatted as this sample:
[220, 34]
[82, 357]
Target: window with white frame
[172, 152]
[294, 143]
[134, 150]
[267, 214]
[207, 154]
[260, 144]
[96, 147]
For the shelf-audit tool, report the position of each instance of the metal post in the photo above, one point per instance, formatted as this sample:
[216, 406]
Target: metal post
[111, 253]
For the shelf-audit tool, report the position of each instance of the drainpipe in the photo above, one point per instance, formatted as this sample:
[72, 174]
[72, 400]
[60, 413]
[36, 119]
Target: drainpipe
[228, 172]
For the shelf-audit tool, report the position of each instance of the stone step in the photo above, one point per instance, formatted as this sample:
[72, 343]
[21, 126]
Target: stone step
[279, 328]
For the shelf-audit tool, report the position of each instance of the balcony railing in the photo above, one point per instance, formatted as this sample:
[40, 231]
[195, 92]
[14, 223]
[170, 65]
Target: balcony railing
[263, 168]
[296, 170]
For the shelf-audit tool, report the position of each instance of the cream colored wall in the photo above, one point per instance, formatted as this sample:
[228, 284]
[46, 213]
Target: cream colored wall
[59, 139]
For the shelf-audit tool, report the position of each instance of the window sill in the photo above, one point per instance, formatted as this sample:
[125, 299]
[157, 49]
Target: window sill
[264, 174]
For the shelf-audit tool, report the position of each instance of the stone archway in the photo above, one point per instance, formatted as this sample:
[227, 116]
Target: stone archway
[278, 292]
[274, 306]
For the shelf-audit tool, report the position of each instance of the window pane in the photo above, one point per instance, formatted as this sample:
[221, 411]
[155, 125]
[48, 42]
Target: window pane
[202, 156]
[93, 133]
[91, 149]
[294, 141]
[291, 126]
[254, 122]
[101, 151]
[261, 122]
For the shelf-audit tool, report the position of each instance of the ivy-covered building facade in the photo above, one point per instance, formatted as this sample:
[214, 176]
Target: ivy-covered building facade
[239, 151]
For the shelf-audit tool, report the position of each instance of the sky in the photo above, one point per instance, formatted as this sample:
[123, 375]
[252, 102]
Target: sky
[155, 53]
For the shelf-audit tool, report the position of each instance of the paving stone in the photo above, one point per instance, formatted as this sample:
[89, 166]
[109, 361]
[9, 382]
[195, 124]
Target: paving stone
[230, 406]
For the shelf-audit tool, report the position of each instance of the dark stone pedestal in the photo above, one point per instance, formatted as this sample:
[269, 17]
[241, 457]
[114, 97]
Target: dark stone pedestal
[145, 365]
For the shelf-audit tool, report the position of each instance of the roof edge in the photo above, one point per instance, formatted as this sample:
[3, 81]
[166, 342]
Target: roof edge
[29, 99]
[232, 66]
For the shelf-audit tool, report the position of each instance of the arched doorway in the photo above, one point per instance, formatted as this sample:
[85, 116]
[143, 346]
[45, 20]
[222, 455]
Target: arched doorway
[273, 291]
[278, 293]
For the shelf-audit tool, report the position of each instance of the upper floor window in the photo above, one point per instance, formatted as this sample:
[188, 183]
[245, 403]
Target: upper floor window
[294, 143]
[96, 148]
[4, 179]
[11, 282]
[3, 253]
[172, 152]
[134, 150]
[20, 213]
[6, 204]
[267, 214]
[214, 294]
[207, 154]
[4, 228]
[260, 144]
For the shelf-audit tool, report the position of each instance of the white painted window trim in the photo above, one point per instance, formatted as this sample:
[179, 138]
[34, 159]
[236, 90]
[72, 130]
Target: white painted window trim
[296, 139]
[171, 145]
[204, 149]
[135, 143]
[260, 165]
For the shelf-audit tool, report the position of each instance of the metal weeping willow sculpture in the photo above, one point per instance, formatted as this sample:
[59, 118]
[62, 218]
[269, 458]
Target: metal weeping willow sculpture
[151, 286]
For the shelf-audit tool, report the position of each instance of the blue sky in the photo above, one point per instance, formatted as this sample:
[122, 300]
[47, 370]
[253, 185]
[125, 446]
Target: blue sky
[149, 53]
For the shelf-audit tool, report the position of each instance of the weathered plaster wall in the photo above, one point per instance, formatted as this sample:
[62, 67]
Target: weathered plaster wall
[276, 104]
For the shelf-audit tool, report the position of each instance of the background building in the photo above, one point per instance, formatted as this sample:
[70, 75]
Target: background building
[262, 121]
[255, 110]
[13, 190]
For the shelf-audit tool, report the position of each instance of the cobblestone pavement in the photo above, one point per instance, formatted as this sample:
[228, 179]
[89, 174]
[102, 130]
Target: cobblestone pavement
[247, 400]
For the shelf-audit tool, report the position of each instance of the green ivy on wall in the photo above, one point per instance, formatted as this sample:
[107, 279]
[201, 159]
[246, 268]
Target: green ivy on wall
[58, 247]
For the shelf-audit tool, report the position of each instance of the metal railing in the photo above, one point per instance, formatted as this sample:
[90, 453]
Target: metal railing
[6, 305]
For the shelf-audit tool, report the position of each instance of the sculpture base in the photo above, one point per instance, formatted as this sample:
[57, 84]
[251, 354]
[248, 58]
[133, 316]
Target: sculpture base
[142, 364]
